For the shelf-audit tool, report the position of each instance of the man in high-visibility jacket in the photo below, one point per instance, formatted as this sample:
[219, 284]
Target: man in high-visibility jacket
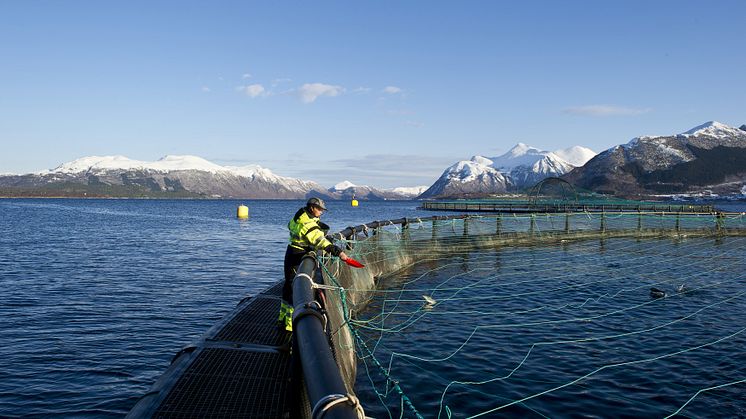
[307, 233]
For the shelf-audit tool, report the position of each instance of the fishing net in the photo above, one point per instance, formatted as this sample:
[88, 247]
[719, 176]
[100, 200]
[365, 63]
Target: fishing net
[533, 315]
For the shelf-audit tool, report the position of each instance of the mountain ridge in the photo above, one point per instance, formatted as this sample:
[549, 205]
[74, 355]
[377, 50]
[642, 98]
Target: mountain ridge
[709, 157]
[172, 175]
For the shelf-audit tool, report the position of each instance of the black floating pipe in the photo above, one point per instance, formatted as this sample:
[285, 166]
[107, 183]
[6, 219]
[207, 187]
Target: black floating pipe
[350, 231]
[324, 382]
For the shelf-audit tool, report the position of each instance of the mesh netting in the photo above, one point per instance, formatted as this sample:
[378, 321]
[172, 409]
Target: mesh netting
[463, 306]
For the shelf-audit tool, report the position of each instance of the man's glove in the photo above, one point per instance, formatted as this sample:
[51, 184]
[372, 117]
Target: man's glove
[333, 249]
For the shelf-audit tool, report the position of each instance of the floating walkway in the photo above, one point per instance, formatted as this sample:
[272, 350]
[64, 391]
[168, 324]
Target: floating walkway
[240, 368]
[524, 207]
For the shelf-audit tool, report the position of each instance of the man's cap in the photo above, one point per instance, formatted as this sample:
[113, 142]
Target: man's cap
[316, 202]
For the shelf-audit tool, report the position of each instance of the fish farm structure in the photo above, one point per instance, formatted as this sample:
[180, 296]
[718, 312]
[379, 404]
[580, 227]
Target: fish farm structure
[527, 207]
[245, 366]
[555, 195]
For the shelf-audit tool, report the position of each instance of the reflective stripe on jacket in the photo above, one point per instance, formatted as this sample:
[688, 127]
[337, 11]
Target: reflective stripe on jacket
[306, 232]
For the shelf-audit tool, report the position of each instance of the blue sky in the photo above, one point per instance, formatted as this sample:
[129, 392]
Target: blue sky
[379, 93]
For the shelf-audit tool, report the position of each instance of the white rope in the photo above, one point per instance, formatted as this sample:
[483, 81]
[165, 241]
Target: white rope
[327, 402]
[315, 285]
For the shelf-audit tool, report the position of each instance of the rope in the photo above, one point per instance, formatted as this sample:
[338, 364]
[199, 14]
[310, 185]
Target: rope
[327, 402]
[702, 391]
[639, 361]
[315, 285]
[362, 344]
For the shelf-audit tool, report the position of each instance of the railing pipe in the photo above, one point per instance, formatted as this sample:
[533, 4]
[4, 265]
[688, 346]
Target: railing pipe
[350, 231]
[324, 382]
[537, 207]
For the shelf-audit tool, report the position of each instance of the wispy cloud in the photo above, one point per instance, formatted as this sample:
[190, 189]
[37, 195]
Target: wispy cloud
[391, 170]
[281, 80]
[205, 89]
[400, 112]
[604, 110]
[253, 90]
[246, 76]
[384, 170]
[377, 170]
[392, 90]
[309, 92]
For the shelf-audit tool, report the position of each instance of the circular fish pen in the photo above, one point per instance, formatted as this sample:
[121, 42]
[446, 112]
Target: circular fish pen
[518, 315]
[543, 315]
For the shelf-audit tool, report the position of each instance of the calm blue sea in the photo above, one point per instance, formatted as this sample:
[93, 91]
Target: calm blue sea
[98, 295]
[568, 330]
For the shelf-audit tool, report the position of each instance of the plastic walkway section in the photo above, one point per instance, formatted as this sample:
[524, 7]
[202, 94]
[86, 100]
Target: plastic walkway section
[239, 369]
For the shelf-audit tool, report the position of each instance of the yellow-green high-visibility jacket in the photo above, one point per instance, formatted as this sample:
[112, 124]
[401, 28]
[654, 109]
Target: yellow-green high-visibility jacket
[306, 233]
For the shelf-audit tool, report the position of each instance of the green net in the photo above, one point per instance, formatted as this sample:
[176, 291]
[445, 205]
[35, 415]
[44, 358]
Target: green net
[409, 270]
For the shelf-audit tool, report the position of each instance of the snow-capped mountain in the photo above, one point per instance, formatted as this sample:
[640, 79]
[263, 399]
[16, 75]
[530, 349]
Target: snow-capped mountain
[521, 167]
[171, 175]
[535, 165]
[468, 178]
[520, 155]
[714, 129]
[409, 191]
[167, 164]
[708, 158]
[348, 190]
[183, 176]
[576, 155]
[711, 156]
[342, 186]
[108, 163]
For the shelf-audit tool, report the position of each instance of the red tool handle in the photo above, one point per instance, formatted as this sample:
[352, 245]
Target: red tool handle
[355, 264]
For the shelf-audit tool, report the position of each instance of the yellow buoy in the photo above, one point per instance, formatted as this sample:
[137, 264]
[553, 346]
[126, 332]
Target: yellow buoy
[354, 202]
[243, 211]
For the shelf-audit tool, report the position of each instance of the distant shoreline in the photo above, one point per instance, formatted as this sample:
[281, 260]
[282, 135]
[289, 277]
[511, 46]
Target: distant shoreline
[656, 198]
[145, 198]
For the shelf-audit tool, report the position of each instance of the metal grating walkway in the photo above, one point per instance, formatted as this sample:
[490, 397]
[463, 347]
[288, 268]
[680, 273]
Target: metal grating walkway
[226, 383]
[275, 290]
[256, 324]
[239, 369]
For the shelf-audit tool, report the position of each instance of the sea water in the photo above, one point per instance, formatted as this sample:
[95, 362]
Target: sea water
[98, 295]
[567, 329]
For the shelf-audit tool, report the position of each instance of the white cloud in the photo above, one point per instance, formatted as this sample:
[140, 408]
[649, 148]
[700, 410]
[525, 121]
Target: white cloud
[392, 90]
[206, 89]
[604, 110]
[362, 90]
[415, 124]
[246, 76]
[309, 92]
[253, 90]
